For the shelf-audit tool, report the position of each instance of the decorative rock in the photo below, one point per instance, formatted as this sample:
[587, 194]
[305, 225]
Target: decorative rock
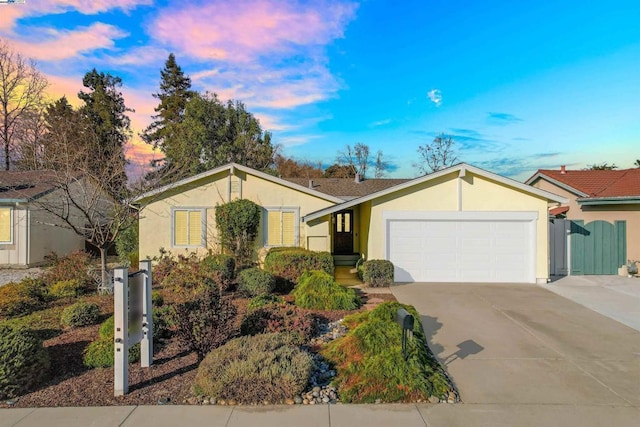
[266, 402]
[213, 401]
[434, 399]
[378, 401]
[192, 401]
[325, 400]
[205, 401]
[11, 402]
[297, 400]
[231, 402]
[222, 402]
[289, 401]
[163, 401]
[305, 401]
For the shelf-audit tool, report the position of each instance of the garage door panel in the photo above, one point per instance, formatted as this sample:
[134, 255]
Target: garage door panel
[462, 251]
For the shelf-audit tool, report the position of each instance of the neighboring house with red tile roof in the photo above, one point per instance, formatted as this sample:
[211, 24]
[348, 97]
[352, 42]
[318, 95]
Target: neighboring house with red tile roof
[607, 195]
[27, 232]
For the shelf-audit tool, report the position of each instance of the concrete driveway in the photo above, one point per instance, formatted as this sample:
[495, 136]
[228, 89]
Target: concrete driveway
[523, 345]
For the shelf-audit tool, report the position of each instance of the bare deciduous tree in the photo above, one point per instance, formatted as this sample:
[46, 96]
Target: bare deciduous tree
[22, 89]
[381, 166]
[436, 155]
[356, 157]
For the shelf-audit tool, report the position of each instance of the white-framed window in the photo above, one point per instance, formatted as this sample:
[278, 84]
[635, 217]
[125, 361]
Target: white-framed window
[188, 227]
[282, 226]
[6, 225]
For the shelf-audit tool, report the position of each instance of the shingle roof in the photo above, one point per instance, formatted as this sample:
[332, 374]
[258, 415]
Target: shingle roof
[347, 188]
[25, 185]
[599, 183]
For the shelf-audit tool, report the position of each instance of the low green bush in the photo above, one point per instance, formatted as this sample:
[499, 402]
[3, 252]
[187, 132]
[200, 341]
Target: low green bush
[162, 322]
[100, 353]
[24, 362]
[224, 264]
[264, 300]
[254, 282]
[23, 297]
[318, 290]
[283, 318]
[66, 289]
[370, 364]
[74, 266]
[80, 314]
[157, 300]
[290, 264]
[254, 369]
[377, 273]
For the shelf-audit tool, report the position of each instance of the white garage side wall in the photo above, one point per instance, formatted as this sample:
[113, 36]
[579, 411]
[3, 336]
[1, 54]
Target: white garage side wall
[528, 219]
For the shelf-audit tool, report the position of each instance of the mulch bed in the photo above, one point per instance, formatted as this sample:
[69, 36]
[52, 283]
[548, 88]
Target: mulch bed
[170, 377]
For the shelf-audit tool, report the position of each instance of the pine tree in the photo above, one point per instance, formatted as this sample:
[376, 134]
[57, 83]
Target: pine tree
[175, 92]
[105, 111]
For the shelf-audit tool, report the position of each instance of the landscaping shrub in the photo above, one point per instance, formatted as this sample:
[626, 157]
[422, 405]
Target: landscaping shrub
[377, 273]
[223, 264]
[24, 362]
[162, 322]
[254, 369]
[127, 246]
[290, 264]
[74, 266]
[65, 289]
[164, 264]
[23, 297]
[285, 318]
[100, 353]
[80, 314]
[264, 300]
[237, 223]
[157, 300]
[254, 282]
[189, 273]
[318, 290]
[203, 319]
[370, 363]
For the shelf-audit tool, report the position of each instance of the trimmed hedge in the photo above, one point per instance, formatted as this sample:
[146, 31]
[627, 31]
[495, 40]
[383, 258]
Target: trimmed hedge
[24, 362]
[264, 300]
[22, 298]
[224, 264]
[254, 282]
[377, 273]
[291, 263]
[80, 314]
[66, 289]
[318, 290]
[100, 353]
[254, 369]
[370, 363]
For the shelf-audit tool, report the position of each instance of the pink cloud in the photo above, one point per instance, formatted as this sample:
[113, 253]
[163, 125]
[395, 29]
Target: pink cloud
[68, 44]
[243, 30]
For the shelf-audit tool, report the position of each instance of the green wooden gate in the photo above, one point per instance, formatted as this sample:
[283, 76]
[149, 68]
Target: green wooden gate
[598, 247]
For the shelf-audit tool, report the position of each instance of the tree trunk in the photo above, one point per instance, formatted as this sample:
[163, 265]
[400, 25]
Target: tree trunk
[103, 265]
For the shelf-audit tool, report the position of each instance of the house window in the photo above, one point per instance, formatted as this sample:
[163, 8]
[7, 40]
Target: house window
[282, 227]
[187, 227]
[6, 225]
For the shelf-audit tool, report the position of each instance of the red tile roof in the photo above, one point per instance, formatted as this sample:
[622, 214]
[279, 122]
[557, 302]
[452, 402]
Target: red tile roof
[599, 183]
[559, 210]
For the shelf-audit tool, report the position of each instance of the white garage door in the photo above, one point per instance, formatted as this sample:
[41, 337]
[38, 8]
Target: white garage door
[462, 250]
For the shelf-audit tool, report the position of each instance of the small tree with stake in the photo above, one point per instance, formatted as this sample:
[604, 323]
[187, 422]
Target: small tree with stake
[238, 223]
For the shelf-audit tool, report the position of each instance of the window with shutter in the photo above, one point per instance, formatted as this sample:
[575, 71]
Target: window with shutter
[281, 227]
[6, 225]
[187, 227]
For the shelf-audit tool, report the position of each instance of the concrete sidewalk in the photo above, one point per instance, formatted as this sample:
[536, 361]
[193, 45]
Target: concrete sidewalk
[617, 297]
[408, 415]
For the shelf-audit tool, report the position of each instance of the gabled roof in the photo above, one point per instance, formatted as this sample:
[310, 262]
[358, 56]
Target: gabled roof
[460, 168]
[624, 183]
[23, 186]
[230, 167]
[347, 188]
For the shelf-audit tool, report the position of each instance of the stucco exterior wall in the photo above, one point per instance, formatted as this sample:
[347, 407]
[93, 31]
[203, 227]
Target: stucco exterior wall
[156, 218]
[628, 212]
[471, 193]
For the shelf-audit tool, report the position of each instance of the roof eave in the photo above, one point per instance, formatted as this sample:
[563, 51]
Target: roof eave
[622, 200]
[540, 175]
[461, 168]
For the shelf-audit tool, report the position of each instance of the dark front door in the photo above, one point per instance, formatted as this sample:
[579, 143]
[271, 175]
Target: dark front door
[343, 233]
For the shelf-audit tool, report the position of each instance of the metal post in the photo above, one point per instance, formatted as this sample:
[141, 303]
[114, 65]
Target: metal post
[121, 335]
[568, 252]
[146, 345]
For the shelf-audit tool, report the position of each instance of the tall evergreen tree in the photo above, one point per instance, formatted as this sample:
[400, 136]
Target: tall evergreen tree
[175, 92]
[105, 110]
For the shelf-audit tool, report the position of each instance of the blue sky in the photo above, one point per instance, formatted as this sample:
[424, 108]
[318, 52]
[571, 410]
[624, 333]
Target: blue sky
[519, 85]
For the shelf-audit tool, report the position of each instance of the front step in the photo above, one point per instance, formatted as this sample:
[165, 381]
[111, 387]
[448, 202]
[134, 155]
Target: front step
[349, 260]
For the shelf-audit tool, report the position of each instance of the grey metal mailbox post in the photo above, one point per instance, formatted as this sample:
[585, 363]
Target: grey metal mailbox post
[405, 320]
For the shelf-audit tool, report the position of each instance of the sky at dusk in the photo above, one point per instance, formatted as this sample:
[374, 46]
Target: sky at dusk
[519, 85]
